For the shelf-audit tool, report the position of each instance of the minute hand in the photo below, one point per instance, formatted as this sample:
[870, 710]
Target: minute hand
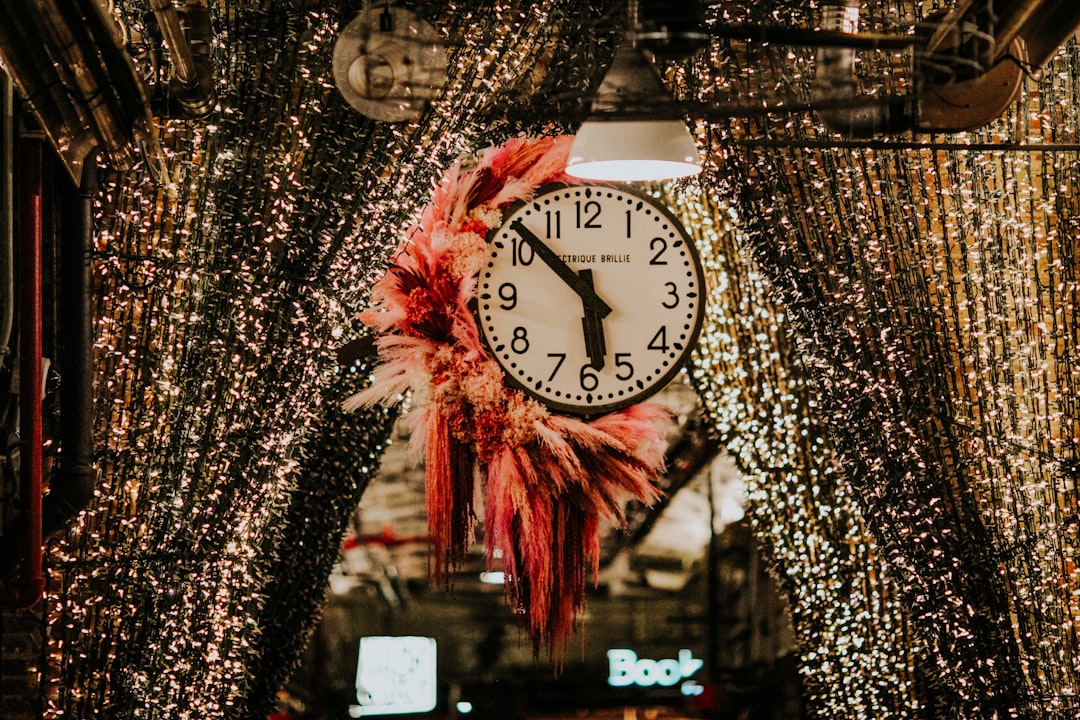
[577, 284]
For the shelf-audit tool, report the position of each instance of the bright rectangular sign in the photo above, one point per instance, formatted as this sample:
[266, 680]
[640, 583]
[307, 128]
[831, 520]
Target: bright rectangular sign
[395, 675]
[625, 668]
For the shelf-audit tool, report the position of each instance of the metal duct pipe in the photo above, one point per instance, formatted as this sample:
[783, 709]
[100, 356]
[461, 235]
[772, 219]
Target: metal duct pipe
[69, 63]
[38, 81]
[183, 61]
[1014, 16]
[27, 589]
[72, 487]
[835, 81]
[1044, 25]
[65, 38]
[7, 217]
[970, 71]
[189, 54]
[973, 65]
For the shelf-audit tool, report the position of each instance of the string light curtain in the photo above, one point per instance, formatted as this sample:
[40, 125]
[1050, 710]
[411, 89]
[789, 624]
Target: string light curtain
[857, 651]
[932, 293]
[230, 267]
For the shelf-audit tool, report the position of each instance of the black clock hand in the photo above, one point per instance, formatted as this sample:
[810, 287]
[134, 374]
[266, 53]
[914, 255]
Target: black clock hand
[592, 326]
[577, 284]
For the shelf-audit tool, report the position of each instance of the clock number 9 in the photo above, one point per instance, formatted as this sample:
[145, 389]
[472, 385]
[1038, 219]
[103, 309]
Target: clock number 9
[508, 295]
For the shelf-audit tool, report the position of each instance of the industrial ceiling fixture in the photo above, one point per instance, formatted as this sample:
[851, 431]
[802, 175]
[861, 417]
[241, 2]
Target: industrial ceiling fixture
[635, 130]
[71, 68]
[389, 63]
[969, 65]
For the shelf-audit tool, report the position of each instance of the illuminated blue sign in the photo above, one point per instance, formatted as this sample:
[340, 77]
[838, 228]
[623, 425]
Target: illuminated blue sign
[625, 669]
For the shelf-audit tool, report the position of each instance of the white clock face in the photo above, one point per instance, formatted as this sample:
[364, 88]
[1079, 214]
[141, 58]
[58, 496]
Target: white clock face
[591, 297]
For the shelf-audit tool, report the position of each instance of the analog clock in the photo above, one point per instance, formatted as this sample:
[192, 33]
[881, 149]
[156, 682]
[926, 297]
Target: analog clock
[591, 297]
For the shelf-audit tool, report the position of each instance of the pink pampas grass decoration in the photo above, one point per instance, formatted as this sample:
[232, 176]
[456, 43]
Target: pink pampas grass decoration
[547, 480]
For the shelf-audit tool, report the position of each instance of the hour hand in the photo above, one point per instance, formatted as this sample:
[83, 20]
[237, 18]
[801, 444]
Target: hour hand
[578, 284]
[592, 325]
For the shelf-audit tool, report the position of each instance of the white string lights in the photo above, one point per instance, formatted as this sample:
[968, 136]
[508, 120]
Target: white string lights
[912, 446]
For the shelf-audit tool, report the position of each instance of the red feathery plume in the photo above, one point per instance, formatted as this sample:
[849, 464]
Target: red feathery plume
[547, 480]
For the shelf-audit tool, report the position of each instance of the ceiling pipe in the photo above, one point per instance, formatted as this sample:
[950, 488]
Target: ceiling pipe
[1015, 17]
[37, 79]
[192, 85]
[970, 71]
[835, 81]
[73, 481]
[7, 218]
[28, 587]
[69, 63]
[88, 80]
[992, 28]
[1045, 26]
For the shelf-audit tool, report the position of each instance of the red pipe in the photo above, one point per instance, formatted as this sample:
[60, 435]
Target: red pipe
[29, 587]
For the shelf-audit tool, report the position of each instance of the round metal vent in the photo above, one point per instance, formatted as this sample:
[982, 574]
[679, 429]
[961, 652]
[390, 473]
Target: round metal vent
[389, 63]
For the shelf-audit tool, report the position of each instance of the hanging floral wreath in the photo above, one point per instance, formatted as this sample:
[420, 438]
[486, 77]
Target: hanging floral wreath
[546, 481]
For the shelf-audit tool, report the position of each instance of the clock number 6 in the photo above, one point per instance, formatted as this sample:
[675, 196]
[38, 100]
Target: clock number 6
[588, 378]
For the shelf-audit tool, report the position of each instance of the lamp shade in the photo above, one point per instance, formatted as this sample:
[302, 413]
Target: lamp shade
[633, 150]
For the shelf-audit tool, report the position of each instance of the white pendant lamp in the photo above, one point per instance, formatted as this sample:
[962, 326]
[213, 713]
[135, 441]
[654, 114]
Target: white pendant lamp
[634, 132]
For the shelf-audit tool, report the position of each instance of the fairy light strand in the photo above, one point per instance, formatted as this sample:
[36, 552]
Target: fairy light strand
[931, 292]
[856, 644]
[230, 267]
[896, 364]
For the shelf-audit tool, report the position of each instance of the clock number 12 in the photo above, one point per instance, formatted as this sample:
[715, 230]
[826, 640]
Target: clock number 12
[583, 213]
[586, 216]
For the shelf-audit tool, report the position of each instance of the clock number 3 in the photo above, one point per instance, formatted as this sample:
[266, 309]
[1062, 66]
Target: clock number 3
[673, 293]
